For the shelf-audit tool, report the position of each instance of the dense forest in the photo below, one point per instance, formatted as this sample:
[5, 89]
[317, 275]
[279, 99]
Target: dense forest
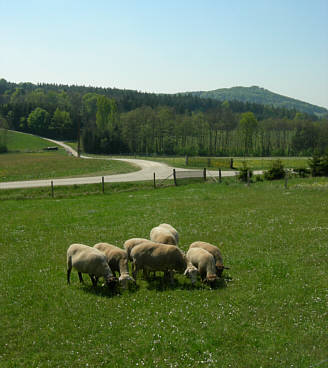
[110, 120]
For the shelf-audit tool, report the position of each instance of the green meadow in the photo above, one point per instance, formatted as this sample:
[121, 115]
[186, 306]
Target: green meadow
[269, 310]
[26, 160]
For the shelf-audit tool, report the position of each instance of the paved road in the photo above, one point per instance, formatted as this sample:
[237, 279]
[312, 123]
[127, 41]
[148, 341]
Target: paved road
[146, 172]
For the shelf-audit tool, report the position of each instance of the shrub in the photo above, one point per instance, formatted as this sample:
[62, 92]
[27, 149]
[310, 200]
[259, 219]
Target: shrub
[315, 164]
[243, 172]
[276, 171]
[302, 172]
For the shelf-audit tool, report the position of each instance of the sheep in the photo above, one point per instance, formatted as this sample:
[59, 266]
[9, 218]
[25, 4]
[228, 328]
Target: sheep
[117, 260]
[152, 256]
[89, 260]
[204, 262]
[215, 253]
[130, 243]
[163, 235]
[172, 230]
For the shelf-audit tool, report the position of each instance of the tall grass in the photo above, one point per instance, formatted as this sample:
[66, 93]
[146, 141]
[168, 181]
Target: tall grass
[269, 311]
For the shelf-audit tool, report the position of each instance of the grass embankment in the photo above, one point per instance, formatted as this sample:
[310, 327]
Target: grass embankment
[271, 313]
[26, 160]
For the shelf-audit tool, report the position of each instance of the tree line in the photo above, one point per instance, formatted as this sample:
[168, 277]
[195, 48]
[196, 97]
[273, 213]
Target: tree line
[123, 121]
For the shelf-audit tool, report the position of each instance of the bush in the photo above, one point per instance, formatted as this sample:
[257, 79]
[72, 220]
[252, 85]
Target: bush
[243, 172]
[276, 172]
[302, 172]
[319, 164]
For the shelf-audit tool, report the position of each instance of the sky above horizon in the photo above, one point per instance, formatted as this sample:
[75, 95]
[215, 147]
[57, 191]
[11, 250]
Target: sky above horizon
[169, 46]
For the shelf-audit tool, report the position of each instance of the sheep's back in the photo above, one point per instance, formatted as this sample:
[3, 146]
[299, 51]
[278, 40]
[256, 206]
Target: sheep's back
[214, 250]
[86, 259]
[158, 257]
[162, 235]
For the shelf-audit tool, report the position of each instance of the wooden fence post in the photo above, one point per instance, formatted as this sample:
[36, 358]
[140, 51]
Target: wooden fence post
[103, 184]
[52, 189]
[220, 176]
[286, 179]
[154, 181]
[204, 173]
[175, 177]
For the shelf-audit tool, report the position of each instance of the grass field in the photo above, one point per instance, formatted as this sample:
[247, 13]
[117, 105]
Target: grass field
[22, 142]
[254, 163]
[269, 311]
[26, 160]
[29, 166]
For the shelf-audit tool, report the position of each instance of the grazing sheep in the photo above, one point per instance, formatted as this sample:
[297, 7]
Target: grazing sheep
[172, 230]
[117, 260]
[89, 260]
[204, 261]
[215, 253]
[151, 256]
[162, 235]
[130, 243]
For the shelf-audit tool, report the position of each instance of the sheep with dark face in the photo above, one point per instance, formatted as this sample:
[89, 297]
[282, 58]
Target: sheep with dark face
[117, 260]
[204, 262]
[152, 256]
[89, 260]
[163, 235]
[214, 250]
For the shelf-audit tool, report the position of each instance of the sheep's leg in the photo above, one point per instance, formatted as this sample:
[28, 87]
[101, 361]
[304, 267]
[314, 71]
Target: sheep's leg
[171, 273]
[135, 271]
[69, 268]
[80, 277]
[94, 280]
[69, 275]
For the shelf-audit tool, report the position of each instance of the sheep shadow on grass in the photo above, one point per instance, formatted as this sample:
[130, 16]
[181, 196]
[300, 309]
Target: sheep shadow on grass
[159, 283]
[104, 291]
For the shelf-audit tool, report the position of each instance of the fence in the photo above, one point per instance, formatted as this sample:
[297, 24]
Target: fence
[226, 163]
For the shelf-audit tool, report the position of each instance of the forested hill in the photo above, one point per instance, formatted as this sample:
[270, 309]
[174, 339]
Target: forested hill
[111, 120]
[260, 96]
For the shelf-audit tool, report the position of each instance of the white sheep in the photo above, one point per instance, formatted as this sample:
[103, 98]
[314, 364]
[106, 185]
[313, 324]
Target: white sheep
[172, 230]
[163, 235]
[117, 260]
[89, 260]
[204, 262]
[130, 243]
[152, 256]
[214, 250]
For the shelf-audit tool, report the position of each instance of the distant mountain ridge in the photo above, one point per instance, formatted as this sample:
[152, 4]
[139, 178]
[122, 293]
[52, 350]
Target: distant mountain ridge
[262, 96]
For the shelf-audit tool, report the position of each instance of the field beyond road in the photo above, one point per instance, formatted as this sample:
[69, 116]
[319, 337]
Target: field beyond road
[269, 311]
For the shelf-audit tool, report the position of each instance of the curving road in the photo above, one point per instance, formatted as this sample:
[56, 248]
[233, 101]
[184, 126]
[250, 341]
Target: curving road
[146, 172]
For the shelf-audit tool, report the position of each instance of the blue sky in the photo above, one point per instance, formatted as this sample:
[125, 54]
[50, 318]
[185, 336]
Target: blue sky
[169, 46]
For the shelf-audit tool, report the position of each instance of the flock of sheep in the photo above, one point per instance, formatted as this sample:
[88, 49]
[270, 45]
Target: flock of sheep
[160, 253]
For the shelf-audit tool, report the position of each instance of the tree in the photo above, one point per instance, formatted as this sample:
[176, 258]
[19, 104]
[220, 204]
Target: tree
[248, 126]
[38, 121]
[61, 124]
[3, 134]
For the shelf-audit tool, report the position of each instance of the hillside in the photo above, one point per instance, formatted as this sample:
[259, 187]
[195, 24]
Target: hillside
[259, 95]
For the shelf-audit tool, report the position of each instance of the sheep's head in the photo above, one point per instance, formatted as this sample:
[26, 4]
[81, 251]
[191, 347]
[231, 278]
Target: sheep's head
[124, 280]
[211, 279]
[220, 268]
[192, 273]
[111, 282]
